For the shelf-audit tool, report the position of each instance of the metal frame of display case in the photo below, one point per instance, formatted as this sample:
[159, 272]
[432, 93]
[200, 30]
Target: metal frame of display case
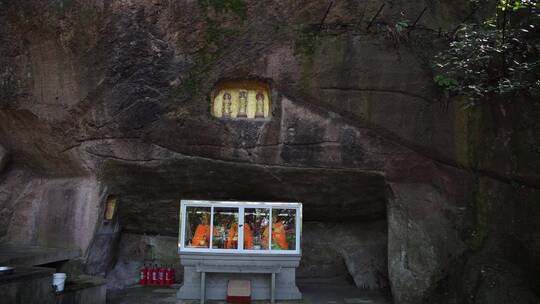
[241, 207]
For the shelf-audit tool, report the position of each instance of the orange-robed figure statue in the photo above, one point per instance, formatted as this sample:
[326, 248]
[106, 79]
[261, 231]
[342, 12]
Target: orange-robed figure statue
[201, 238]
[232, 240]
[279, 236]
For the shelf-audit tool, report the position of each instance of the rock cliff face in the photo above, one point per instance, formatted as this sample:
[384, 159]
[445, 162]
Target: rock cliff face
[3, 158]
[105, 98]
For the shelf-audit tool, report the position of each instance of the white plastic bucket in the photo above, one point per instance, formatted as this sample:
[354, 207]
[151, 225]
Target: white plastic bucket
[59, 279]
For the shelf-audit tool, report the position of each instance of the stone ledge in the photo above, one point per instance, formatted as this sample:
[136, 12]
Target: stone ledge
[35, 255]
[24, 273]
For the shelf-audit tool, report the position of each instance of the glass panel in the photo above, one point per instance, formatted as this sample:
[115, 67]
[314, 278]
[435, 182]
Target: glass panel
[283, 229]
[255, 222]
[197, 227]
[225, 228]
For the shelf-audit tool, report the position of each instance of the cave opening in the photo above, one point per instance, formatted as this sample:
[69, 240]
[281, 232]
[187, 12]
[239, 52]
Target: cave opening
[344, 229]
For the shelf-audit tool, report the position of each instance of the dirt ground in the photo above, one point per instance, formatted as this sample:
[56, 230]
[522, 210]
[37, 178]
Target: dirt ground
[313, 291]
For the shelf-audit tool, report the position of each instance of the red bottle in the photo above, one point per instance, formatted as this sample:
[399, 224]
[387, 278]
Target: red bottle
[148, 275]
[143, 275]
[161, 275]
[172, 275]
[153, 273]
[168, 275]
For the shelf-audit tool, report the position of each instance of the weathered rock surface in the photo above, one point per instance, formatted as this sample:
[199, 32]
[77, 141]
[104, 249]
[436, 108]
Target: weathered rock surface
[102, 252]
[112, 97]
[423, 239]
[504, 249]
[49, 212]
[340, 249]
[149, 194]
[135, 250]
[3, 158]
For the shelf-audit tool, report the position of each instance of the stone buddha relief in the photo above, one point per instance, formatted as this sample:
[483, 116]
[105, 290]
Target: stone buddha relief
[226, 105]
[259, 105]
[242, 104]
[244, 99]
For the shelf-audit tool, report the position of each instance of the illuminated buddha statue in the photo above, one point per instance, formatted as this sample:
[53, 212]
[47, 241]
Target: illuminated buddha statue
[242, 104]
[259, 105]
[226, 105]
[232, 241]
[279, 236]
[201, 238]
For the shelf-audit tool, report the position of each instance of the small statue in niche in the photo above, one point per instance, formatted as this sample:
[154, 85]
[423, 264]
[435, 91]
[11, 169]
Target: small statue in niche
[259, 105]
[226, 105]
[242, 104]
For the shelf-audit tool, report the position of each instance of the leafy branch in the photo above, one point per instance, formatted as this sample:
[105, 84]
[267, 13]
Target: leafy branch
[499, 56]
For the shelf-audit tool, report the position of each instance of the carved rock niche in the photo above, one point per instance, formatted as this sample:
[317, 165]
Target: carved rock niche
[241, 99]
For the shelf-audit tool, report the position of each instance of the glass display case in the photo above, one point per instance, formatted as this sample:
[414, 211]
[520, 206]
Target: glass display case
[240, 227]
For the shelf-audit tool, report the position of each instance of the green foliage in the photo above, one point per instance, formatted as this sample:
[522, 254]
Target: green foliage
[515, 5]
[447, 84]
[499, 56]
[397, 32]
[401, 25]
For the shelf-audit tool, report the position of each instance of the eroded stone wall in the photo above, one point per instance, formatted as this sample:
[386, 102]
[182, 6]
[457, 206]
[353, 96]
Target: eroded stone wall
[58, 213]
[137, 250]
[3, 158]
[117, 93]
[337, 250]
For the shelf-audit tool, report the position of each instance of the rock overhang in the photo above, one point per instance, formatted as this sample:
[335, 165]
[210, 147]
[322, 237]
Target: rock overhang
[149, 193]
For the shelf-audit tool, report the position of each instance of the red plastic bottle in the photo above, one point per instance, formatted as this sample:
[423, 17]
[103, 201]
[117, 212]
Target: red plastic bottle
[168, 275]
[148, 275]
[161, 275]
[153, 275]
[143, 275]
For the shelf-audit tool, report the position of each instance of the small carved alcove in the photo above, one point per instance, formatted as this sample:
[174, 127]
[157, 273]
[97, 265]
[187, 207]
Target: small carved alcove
[241, 99]
[110, 208]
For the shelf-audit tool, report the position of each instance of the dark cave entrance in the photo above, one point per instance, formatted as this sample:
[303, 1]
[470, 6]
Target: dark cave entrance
[344, 233]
